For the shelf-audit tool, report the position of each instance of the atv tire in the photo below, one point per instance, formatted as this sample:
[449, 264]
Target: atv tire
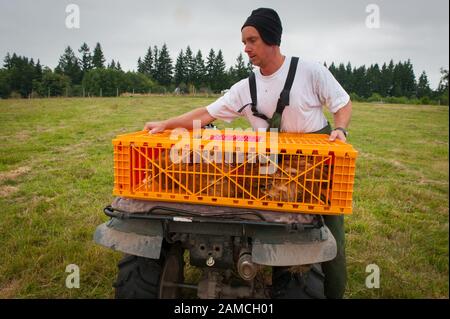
[143, 278]
[307, 285]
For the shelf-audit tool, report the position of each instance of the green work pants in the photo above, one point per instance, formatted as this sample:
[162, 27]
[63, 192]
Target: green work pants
[335, 270]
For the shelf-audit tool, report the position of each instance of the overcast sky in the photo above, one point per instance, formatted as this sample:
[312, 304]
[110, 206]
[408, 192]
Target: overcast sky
[320, 30]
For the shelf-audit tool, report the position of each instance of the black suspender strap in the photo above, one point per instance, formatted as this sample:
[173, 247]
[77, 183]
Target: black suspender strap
[283, 101]
[253, 95]
[252, 83]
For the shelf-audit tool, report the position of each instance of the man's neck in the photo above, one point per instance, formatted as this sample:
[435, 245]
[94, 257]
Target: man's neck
[273, 65]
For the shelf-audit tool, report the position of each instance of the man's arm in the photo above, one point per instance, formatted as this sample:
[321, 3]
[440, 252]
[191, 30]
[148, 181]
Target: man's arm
[341, 119]
[185, 120]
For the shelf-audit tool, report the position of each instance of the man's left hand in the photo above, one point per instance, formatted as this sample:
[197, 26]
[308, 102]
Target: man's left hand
[337, 134]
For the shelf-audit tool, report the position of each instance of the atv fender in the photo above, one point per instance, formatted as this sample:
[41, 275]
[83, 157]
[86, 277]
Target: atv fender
[278, 249]
[135, 237]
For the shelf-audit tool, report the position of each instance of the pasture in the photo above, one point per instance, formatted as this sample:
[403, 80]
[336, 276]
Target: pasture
[56, 176]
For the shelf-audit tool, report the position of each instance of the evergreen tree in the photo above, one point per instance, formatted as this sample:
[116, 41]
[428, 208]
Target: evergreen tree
[38, 71]
[20, 73]
[165, 68]
[340, 75]
[385, 81]
[86, 58]
[112, 65]
[231, 75]
[220, 77]
[359, 78]
[373, 79]
[404, 82]
[249, 67]
[69, 66]
[147, 64]
[189, 64]
[155, 67]
[442, 90]
[210, 60]
[409, 80]
[140, 66]
[240, 69]
[180, 69]
[199, 69]
[399, 75]
[7, 61]
[98, 60]
[443, 82]
[23, 76]
[333, 70]
[390, 78]
[423, 86]
[348, 79]
[5, 88]
[15, 60]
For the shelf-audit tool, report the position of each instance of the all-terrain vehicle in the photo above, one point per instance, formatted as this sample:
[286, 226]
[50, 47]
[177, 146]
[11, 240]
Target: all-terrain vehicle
[242, 206]
[232, 246]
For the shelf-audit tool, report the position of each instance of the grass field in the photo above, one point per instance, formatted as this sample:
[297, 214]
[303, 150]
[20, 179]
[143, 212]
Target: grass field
[56, 176]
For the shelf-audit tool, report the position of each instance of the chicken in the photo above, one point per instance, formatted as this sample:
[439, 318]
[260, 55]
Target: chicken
[298, 179]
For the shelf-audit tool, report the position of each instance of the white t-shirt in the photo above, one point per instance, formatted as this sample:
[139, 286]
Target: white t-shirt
[314, 87]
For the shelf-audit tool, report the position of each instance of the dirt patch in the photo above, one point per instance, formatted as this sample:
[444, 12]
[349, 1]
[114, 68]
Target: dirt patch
[10, 289]
[14, 174]
[424, 181]
[396, 163]
[23, 136]
[6, 190]
[393, 162]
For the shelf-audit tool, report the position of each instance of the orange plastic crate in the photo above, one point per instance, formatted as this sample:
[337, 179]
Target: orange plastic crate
[302, 173]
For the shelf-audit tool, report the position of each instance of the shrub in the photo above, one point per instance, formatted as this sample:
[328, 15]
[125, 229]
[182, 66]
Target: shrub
[375, 97]
[4, 84]
[356, 98]
[425, 100]
[76, 90]
[397, 100]
[15, 95]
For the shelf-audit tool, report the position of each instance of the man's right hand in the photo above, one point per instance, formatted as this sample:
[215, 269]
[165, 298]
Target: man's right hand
[185, 120]
[155, 127]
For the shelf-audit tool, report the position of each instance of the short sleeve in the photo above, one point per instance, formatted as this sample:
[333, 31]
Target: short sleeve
[227, 106]
[330, 92]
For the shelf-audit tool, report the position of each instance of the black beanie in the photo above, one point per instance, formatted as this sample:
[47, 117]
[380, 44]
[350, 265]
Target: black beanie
[268, 24]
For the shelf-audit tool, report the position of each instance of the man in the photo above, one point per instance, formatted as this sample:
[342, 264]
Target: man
[312, 88]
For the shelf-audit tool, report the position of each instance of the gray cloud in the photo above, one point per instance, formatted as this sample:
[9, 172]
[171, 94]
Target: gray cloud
[323, 30]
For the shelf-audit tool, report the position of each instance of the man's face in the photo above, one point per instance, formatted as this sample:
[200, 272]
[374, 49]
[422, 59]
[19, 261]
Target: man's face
[257, 50]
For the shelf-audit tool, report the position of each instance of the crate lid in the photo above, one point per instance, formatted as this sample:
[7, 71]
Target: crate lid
[241, 141]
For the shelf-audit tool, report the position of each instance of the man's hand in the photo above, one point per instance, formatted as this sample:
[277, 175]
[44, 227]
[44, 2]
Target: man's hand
[185, 121]
[341, 119]
[337, 134]
[155, 127]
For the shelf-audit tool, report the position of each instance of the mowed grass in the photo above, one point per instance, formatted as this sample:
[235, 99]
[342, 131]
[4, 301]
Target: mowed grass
[56, 176]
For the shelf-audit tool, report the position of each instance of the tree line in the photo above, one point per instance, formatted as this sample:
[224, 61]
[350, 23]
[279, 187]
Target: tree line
[88, 74]
[390, 82]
